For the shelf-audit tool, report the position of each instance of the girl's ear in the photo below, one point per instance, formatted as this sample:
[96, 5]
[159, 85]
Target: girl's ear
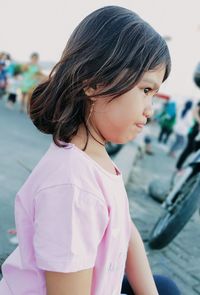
[89, 91]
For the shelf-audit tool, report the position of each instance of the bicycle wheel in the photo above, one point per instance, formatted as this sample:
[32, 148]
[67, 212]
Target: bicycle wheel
[175, 218]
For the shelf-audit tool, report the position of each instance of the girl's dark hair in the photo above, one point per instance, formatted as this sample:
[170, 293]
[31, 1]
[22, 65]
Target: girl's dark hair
[187, 107]
[112, 47]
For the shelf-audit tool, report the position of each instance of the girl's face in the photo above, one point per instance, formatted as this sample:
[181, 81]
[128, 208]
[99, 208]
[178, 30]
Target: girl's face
[120, 120]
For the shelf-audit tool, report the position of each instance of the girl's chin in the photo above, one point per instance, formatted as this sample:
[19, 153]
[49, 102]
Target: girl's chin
[126, 138]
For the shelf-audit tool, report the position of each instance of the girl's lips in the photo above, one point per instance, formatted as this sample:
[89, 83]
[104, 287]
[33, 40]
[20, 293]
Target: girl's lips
[140, 125]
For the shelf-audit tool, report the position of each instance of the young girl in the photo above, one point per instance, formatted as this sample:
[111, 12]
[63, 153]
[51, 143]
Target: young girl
[75, 232]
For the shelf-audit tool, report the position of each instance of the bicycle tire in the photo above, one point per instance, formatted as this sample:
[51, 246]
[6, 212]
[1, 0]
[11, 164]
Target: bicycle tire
[172, 221]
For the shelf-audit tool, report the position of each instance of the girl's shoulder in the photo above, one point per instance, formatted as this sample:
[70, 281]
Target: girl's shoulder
[78, 165]
[65, 166]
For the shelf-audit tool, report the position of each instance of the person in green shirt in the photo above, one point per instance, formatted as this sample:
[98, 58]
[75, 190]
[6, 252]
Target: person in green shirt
[31, 76]
[167, 120]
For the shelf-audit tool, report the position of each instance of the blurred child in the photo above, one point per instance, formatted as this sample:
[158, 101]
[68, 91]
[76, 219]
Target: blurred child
[30, 80]
[12, 88]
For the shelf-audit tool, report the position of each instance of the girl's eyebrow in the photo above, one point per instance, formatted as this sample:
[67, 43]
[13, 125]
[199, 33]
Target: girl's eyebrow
[155, 85]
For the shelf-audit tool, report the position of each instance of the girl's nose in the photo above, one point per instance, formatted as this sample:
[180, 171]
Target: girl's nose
[148, 112]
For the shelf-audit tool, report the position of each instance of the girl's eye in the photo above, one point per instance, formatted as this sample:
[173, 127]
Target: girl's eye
[150, 91]
[147, 90]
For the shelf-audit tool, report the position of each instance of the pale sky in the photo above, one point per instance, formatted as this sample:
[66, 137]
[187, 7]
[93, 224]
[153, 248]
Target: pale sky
[45, 25]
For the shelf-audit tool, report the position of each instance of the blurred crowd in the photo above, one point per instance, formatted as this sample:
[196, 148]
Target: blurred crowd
[17, 80]
[185, 125]
[179, 130]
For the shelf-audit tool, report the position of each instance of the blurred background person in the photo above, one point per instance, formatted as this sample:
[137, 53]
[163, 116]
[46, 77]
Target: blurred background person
[31, 73]
[191, 144]
[144, 140]
[167, 119]
[148, 138]
[12, 89]
[181, 128]
[3, 79]
[10, 65]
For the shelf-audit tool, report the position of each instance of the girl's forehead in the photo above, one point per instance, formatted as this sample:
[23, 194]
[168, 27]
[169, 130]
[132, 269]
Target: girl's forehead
[155, 76]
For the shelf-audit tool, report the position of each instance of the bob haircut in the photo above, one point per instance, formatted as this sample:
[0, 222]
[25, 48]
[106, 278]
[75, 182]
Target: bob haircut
[112, 47]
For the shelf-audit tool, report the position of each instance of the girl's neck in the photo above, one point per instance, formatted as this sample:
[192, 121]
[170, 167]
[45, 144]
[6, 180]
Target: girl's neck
[94, 149]
[95, 145]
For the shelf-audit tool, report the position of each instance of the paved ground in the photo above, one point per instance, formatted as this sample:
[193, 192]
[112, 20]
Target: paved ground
[181, 259]
[21, 148]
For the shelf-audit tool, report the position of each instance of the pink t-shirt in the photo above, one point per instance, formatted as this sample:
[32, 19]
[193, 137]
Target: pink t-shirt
[71, 215]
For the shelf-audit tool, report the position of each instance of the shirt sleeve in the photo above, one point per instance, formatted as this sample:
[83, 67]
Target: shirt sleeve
[68, 227]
